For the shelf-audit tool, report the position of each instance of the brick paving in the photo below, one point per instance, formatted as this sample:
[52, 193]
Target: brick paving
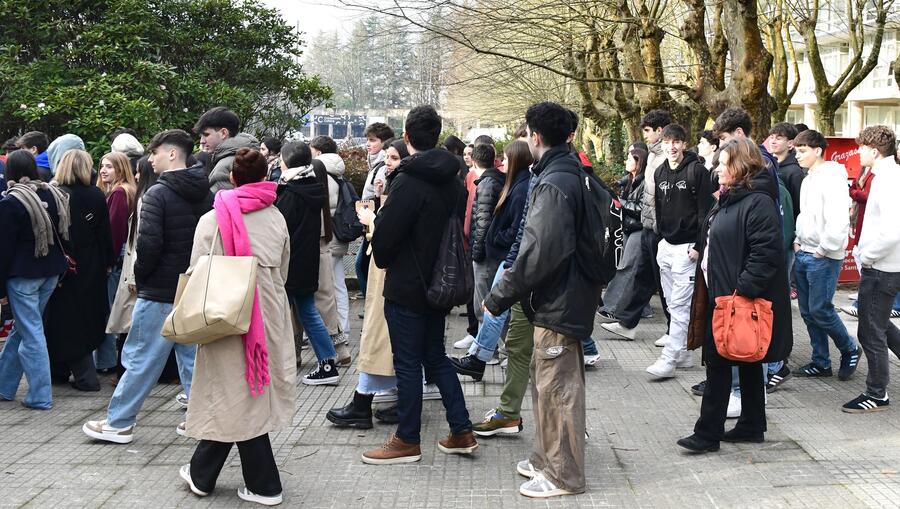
[814, 455]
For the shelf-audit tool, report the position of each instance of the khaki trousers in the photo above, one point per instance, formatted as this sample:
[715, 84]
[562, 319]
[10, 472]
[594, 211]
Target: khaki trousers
[557, 392]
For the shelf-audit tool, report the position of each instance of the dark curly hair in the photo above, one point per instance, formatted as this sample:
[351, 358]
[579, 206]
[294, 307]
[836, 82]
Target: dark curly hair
[551, 121]
[879, 137]
[656, 119]
[729, 120]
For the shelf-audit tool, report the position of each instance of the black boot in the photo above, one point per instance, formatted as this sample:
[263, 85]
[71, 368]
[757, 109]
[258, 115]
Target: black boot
[387, 415]
[469, 365]
[357, 413]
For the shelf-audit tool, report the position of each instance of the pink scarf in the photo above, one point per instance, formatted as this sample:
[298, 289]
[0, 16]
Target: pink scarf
[230, 207]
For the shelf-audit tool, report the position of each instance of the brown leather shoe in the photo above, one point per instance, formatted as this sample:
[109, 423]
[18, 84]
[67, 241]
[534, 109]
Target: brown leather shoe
[458, 443]
[393, 451]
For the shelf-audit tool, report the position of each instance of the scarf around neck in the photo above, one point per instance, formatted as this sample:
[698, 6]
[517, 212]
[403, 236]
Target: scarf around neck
[41, 225]
[230, 206]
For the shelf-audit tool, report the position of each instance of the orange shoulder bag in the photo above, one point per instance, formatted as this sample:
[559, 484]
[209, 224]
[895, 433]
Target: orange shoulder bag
[742, 327]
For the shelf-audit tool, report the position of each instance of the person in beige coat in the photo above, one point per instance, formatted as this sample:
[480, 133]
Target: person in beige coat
[225, 408]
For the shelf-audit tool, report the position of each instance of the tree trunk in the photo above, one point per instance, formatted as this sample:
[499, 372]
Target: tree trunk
[825, 117]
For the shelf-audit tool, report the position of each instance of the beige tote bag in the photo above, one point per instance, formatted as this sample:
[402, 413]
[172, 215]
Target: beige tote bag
[213, 300]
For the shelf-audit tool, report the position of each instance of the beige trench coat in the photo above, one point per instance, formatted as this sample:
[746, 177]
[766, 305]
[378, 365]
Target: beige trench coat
[325, 301]
[375, 354]
[222, 408]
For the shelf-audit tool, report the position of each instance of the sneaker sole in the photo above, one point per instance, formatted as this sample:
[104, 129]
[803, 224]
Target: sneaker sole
[619, 334]
[525, 473]
[259, 499]
[457, 450]
[327, 381]
[116, 439]
[459, 346]
[474, 375]
[187, 479]
[545, 494]
[661, 376]
[509, 430]
[431, 396]
[391, 461]
[340, 423]
[180, 432]
[863, 411]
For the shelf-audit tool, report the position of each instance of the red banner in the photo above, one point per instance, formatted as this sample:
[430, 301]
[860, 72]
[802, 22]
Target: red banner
[845, 151]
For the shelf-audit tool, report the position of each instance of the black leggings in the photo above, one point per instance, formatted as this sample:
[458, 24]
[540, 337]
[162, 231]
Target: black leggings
[714, 406]
[257, 463]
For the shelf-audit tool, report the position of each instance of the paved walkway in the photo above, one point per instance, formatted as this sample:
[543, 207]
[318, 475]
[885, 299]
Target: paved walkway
[814, 455]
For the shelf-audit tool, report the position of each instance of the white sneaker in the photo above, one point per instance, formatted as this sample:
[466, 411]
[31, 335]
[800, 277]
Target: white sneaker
[249, 496]
[100, 430]
[525, 469]
[182, 399]
[662, 368]
[430, 391]
[734, 406]
[181, 429]
[591, 360]
[685, 360]
[618, 330]
[853, 296]
[541, 487]
[662, 341]
[185, 473]
[388, 396]
[465, 342]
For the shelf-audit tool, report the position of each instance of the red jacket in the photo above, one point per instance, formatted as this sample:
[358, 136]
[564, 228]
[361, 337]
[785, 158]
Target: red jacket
[859, 192]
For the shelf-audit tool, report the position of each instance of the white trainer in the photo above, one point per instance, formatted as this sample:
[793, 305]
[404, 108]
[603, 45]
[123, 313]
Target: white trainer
[662, 341]
[662, 368]
[249, 496]
[465, 342]
[734, 406]
[591, 360]
[101, 430]
[618, 330]
[685, 360]
[525, 469]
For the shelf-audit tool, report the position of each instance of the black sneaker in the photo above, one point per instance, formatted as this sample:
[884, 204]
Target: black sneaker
[606, 317]
[814, 370]
[865, 403]
[776, 379]
[849, 362]
[326, 373]
[469, 365]
[697, 390]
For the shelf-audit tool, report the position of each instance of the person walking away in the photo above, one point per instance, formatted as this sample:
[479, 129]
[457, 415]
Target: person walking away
[878, 253]
[244, 387]
[35, 216]
[169, 215]
[822, 231]
[407, 237]
[75, 318]
[741, 253]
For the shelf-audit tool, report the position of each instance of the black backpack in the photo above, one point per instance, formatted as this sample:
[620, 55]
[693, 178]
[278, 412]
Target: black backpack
[452, 281]
[600, 242]
[346, 225]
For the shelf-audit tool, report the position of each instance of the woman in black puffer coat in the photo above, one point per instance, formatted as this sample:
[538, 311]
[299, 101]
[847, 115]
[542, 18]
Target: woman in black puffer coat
[741, 251]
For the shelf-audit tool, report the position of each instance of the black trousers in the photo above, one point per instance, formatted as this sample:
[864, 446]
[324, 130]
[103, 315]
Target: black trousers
[473, 320]
[82, 370]
[714, 407]
[646, 283]
[257, 463]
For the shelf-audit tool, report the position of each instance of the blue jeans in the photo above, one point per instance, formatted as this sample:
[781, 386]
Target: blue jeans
[370, 384]
[144, 356]
[362, 266]
[816, 283]
[417, 341]
[311, 321]
[105, 355]
[25, 351]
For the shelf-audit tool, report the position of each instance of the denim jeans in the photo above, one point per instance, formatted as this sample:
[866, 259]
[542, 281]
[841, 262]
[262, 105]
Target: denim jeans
[311, 321]
[144, 357]
[362, 266]
[484, 280]
[370, 384]
[105, 355]
[491, 328]
[816, 283]
[417, 341]
[25, 351]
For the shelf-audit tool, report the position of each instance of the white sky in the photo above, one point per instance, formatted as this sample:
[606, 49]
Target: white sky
[314, 15]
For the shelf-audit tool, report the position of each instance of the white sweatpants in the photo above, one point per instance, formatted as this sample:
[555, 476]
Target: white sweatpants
[676, 273]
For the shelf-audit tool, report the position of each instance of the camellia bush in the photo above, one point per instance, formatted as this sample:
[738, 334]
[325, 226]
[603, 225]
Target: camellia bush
[90, 66]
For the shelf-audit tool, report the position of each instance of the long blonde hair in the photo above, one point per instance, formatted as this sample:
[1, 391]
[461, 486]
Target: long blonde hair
[74, 168]
[123, 178]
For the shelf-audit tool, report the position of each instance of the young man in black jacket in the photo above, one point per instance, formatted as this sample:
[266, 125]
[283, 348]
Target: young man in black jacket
[682, 202]
[405, 242]
[546, 275]
[169, 214]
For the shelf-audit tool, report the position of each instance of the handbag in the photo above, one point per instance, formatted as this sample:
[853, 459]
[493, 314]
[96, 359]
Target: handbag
[742, 327]
[213, 300]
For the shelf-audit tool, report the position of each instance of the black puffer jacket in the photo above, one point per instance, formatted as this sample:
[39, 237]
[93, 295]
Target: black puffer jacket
[169, 214]
[409, 227]
[486, 196]
[545, 271]
[300, 200]
[505, 226]
[632, 203]
[792, 175]
[746, 253]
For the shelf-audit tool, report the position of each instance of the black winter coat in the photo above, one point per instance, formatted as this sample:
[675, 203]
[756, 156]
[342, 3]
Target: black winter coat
[545, 272]
[487, 194]
[746, 253]
[81, 298]
[300, 202]
[505, 225]
[17, 248]
[409, 227]
[169, 214]
[792, 175]
[632, 202]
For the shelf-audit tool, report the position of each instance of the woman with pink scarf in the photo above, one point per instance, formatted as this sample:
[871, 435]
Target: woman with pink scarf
[245, 386]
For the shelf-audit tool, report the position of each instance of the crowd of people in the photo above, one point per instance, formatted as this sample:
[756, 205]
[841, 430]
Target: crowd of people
[95, 257]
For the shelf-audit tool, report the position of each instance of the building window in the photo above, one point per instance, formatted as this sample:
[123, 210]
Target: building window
[883, 115]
